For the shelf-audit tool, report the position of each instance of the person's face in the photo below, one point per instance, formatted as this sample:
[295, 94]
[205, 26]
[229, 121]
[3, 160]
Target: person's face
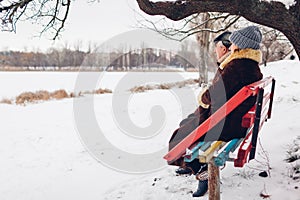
[220, 49]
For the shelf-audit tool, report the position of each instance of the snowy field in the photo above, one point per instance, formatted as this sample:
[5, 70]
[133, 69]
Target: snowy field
[44, 154]
[14, 83]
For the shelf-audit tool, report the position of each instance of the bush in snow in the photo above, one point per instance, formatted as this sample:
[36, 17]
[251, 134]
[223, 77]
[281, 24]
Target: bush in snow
[59, 94]
[42, 95]
[6, 101]
[26, 97]
[163, 86]
[293, 157]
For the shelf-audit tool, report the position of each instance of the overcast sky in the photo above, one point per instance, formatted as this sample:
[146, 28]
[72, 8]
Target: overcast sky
[95, 22]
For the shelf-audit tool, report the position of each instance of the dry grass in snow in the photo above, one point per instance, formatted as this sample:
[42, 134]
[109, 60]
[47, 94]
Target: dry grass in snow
[43, 95]
[163, 86]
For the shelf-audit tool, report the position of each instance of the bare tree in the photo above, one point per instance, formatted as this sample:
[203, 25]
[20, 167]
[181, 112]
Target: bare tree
[272, 14]
[51, 14]
[187, 51]
[275, 45]
[203, 41]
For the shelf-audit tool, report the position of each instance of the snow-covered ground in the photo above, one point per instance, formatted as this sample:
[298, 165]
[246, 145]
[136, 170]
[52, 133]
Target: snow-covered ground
[14, 83]
[44, 156]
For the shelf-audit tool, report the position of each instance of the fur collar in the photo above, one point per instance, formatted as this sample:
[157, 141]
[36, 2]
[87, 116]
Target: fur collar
[252, 54]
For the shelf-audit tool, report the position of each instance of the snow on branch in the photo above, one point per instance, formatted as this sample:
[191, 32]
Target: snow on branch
[287, 3]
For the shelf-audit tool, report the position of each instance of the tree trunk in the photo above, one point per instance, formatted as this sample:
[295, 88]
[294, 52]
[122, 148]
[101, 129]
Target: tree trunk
[203, 41]
[294, 38]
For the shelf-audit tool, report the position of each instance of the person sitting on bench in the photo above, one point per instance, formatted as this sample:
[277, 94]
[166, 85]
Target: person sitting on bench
[239, 69]
[222, 51]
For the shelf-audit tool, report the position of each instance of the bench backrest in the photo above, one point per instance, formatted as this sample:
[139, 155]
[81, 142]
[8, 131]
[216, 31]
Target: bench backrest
[254, 121]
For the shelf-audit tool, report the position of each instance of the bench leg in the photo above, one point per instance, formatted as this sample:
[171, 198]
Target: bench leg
[213, 181]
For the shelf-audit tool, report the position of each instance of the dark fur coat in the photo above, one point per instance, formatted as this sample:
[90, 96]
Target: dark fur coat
[236, 71]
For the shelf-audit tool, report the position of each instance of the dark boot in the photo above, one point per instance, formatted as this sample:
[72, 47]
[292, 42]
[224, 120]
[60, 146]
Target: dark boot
[202, 188]
[191, 167]
[181, 171]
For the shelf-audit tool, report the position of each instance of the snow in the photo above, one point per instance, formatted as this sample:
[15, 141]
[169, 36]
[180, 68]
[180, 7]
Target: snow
[287, 3]
[43, 155]
[33, 81]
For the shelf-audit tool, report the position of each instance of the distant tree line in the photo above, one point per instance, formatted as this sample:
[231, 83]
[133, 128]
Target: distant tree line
[55, 59]
[153, 58]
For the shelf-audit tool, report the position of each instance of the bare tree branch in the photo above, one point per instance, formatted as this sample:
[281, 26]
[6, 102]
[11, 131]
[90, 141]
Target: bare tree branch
[52, 14]
[64, 19]
[212, 31]
[191, 26]
[272, 14]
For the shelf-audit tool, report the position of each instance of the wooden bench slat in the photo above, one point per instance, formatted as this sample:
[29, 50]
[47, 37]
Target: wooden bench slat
[245, 148]
[207, 155]
[231, 146]
[190, 155]
[194, 153]
[248, 118]
[205, 146]
[243, 152]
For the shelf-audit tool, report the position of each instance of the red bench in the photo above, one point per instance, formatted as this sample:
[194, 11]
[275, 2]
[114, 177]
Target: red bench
[217, 153]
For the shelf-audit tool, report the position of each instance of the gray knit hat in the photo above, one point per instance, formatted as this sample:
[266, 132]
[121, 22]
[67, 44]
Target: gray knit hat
[249, 37]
